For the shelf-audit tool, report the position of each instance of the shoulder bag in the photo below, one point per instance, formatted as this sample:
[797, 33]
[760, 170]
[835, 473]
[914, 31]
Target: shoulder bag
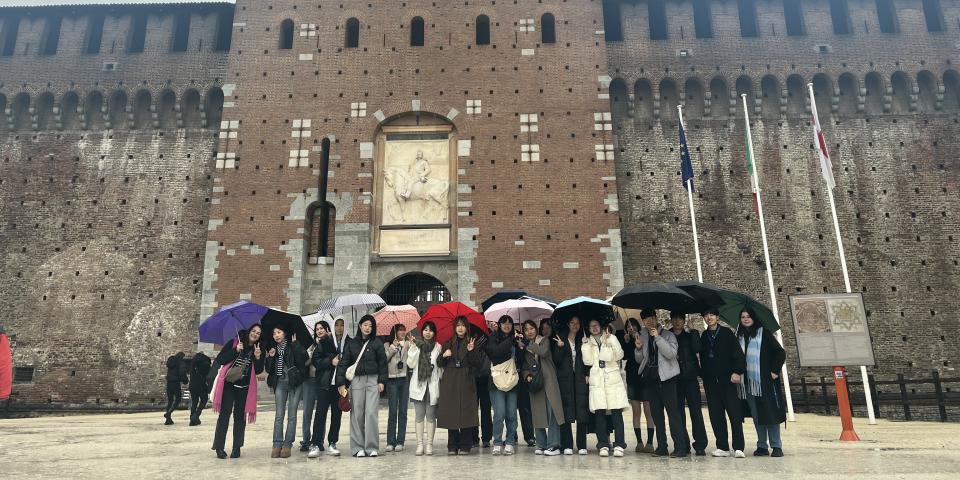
[505, 375]
[352, 369]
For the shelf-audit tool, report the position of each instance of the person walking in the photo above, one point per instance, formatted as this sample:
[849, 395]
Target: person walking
[398, 387]
[309, 393]
[423, 358]
[365, 355]
[574, 389]
[688, 386]
[722, 366]
[286, 370]
[458, 406]
[761, 386]
[501, 349]
[235, 388]
[176, 377]
[608, 395]
[199, 389]
[655, 350]
[545, 402]
[639, 406]
[323, 362]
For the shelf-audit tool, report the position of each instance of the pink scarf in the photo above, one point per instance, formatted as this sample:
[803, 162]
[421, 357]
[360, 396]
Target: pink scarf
[250, 407]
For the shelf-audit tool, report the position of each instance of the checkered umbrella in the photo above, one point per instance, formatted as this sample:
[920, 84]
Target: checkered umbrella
[391, 315]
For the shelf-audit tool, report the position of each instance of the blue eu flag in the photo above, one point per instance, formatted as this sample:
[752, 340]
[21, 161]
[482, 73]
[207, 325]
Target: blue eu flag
[686, 166]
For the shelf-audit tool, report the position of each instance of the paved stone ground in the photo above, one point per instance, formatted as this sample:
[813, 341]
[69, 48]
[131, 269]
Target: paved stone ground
[139, 446]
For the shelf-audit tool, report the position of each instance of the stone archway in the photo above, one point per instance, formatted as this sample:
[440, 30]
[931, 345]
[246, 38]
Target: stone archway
[418, 289]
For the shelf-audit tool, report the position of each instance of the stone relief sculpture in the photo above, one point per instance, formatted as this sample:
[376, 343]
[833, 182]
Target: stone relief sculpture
[412, 196]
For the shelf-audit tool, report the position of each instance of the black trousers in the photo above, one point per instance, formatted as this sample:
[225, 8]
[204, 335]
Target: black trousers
[615, 418]
[723, 403]
[688, 394]
[486, 410]
[525, 414]
[198, 400]
[461, 439]
[327, 400]
[232, 403]
[174, 394]
[663, 396]
[566, 435]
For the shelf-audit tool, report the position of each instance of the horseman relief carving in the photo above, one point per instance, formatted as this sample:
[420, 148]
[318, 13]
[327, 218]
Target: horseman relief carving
[416, 183]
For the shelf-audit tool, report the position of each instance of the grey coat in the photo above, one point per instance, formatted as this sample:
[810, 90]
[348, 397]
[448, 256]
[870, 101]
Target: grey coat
[667, 363]
[551, 386]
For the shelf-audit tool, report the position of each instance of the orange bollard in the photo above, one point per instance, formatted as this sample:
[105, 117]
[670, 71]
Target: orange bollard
[843, 403]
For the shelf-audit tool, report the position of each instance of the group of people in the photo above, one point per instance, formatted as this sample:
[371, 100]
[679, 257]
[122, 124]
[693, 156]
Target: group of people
[544, 376]
[192, 373]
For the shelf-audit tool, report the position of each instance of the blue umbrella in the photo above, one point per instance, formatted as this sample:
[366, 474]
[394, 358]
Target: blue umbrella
[224, 325]
[585, 308]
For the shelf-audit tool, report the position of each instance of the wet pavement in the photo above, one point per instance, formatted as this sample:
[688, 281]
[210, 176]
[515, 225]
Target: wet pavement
[140, 446]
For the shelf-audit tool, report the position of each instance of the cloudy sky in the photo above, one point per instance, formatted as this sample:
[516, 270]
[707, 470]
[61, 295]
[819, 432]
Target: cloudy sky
[5, 3]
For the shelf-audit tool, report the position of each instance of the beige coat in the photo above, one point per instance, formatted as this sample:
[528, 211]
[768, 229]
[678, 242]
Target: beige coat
[551, 386]
[607, 390]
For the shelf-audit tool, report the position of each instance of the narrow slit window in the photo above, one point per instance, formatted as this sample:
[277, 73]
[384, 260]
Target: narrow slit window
[702, 22]
[94, 35]
[51, 36]
[840, 14]
[887, 16]
[612, 23]
[416, 32]
[181, 33]
[353, 33]
[657, 15]
[11, 27]
[793, 17]
[483, 30]
[548, 29]
[747, 11]
[224, 31]
[138, 34]
[286, 34]
[933, 14]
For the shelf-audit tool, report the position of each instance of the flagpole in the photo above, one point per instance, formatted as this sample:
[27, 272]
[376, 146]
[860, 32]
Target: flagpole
[766, 256]
[693, 217]
[868, 396]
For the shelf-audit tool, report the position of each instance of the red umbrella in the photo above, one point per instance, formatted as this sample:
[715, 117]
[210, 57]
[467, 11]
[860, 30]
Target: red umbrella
[391, 315]
[443, 315]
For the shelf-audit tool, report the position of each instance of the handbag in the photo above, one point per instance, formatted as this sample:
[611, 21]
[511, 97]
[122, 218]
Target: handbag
[505, 375]
[235, 373]
[352, 369]
[535, 384]
[344, 404]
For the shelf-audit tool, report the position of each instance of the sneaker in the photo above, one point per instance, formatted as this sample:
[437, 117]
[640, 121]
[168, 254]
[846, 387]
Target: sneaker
[777, 452]
[398, 448]
[739, 454]
[721, 453]
[304, 447]
[508, 450]
[372, 453]
[700, 453]
[332, 450]
[617, 451]
[314, 452]
[659, 453]
[538, 451]
[604, 452]
[679, 454]
[761, 452]
[496, 450]
[568, 451]
[485, 444]
[169, 421]
[451, 452]
[582, 451]
[360, 454]
[389, 448]
[465, 451]
[531, 442]
[551, 452]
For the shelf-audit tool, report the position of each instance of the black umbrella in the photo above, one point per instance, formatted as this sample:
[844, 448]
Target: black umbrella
[290, 323]
[584, 308]
[656, 295]
[504, 295]
[707, 295]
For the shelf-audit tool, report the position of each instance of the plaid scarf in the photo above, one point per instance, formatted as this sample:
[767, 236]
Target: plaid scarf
[753, 382]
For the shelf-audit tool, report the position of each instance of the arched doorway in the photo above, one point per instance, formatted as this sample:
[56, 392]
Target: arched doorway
[417, 289]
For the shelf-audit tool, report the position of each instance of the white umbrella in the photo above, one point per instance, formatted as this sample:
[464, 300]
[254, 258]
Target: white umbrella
[520, 310]
[352, 304]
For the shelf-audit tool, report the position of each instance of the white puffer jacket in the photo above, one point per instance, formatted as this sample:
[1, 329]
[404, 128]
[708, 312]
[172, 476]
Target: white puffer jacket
[417, 388]
[607, 390]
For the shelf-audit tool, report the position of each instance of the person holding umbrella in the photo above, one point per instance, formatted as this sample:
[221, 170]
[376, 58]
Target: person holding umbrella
[722, 366]
[364, 354]
[545, 403]
[688, 387]
[458, 407]
[235, 388]
[286, 370]
[655, 350]
[502, 350]
[574, 388]
[608, 396]
[761, 387]
[423, 358]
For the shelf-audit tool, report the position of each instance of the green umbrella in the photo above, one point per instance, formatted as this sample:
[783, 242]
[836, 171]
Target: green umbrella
[734, 302]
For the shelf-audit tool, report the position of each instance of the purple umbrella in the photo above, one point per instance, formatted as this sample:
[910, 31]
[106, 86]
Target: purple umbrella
[224, 325]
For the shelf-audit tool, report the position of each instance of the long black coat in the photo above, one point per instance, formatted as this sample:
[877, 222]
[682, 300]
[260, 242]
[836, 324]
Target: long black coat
[727, 357]
[574, 387]
[322, 358]
[199, 368]
[458, 407]
[771, 406]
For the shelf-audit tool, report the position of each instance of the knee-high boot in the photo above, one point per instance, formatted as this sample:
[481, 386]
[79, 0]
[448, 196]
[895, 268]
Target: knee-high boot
[420, 432]
[431, 430]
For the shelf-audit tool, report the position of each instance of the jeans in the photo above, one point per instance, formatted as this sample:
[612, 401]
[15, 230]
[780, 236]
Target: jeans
[174, 394]
[722, 402]
[504, 414]
[198, 400]
[603, 434]
[548, 437]
[398, 394]
[688, 395]
[483, 399]
[232, 402]
[663, 396]
[309, 394]
[764, 431]
[287, 401]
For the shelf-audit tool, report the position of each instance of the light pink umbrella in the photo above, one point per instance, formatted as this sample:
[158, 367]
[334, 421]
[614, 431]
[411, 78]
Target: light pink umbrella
[391, 315]
[520, 310]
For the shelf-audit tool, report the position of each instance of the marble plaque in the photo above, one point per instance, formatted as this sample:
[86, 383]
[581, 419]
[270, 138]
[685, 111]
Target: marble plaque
[427, 241]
